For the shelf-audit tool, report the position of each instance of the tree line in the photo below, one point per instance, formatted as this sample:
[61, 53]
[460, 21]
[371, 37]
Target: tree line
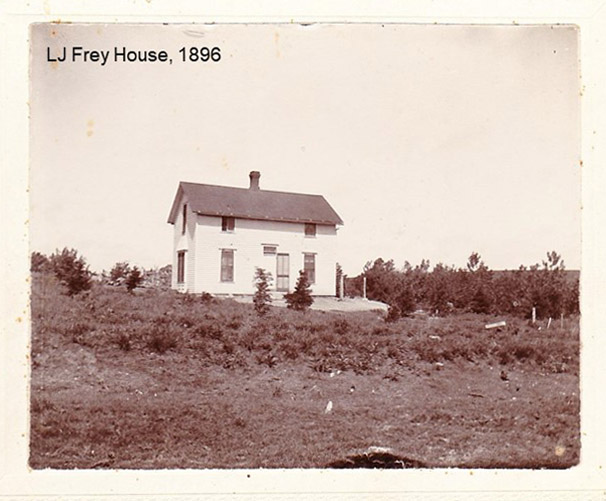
[72, 271]
[548, 287]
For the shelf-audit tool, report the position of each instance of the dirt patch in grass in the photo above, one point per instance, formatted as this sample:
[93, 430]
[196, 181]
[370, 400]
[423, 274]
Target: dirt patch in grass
[158, 380]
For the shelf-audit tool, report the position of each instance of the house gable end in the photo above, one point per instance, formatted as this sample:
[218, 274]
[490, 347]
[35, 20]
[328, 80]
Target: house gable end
[176, 207]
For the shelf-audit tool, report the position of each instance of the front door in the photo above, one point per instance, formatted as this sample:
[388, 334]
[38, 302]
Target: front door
[282, 272]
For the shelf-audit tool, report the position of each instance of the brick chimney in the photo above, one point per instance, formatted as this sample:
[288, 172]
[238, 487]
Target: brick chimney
[254, 180]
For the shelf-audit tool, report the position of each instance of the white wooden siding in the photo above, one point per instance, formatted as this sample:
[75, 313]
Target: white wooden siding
[185, 242]
[247, 241]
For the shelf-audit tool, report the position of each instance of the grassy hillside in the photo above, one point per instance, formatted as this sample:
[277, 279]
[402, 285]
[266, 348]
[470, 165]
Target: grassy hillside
[160, 380]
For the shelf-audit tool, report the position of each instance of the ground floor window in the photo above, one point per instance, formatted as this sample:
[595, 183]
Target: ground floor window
[180, 267]
[309, 267]
[227, 265]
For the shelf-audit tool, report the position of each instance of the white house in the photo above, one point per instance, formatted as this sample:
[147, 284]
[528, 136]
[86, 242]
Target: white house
[222, 234]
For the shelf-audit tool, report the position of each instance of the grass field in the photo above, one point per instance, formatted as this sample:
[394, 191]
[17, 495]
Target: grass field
[160, 380]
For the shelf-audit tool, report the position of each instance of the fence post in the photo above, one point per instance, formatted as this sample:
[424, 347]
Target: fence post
[364, 286]
[534, 314]
[341, 291]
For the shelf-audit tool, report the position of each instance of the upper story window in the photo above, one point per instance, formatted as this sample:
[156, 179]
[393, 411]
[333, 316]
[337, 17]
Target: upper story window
[184, 219]
[310, 229]
[228, 223]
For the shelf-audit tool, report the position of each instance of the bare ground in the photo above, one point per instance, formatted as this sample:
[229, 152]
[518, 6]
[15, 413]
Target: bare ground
[112, 409]
[325, 303]
[161, 380]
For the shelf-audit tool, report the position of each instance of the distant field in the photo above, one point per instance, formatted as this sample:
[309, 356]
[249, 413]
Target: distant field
[160, 380]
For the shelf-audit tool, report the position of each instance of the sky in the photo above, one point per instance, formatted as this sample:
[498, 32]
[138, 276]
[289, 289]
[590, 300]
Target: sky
[431, 142]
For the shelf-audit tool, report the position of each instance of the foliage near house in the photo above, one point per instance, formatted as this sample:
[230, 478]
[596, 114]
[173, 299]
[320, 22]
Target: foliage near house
[159, 379]
[300, 299]
[547, 287]
[69, 268]
[133, 279]
[118, 273]
[262, 297]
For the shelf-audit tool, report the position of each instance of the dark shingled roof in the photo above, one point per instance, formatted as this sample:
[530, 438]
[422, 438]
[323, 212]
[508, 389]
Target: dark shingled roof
[254, 204]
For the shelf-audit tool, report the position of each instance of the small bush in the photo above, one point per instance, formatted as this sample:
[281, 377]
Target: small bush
[210, 330]
[187, 299]
[300, 299]
[289, 349]
[118, 273]
[71, 270]
[161, 340]
[262, 297]
[341, 326]
[393, 314]
[133, 279]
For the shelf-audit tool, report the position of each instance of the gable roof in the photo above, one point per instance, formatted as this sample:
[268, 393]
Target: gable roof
[260, 204]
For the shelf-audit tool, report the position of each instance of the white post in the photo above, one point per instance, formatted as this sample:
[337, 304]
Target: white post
[548, 322]
[534, 314]
[341, 291]
[364, 287]
[561, 320]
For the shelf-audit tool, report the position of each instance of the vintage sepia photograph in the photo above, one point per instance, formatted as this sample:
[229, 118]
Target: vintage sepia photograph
[304, 246]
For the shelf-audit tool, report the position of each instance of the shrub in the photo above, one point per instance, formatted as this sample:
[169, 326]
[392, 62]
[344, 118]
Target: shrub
[119, 273]
[39, 262]
[161, 340]
[393, 313]
[71, 270]
[133, 279]
[341, 326]
[209, 329]
[300, 299]
[262, 298]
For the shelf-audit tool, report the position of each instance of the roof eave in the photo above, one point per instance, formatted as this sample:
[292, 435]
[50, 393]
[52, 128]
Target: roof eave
[172, 216]
[281, 220]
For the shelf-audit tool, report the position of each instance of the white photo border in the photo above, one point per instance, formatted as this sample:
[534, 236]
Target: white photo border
[17, 481]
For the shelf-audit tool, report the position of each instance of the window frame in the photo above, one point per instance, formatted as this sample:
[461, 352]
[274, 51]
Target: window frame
[311, 278]
[311, 230]
[181, 266]
[184, 216]
[228, 268]
[225, 224]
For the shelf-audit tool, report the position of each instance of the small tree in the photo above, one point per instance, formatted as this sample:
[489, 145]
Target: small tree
[133, 279]
[262, 297]
[119, 273]
[300, 299]
[71, 270]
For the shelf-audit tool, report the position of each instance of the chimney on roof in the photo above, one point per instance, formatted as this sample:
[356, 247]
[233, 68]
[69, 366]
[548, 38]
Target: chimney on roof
[254, 180]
